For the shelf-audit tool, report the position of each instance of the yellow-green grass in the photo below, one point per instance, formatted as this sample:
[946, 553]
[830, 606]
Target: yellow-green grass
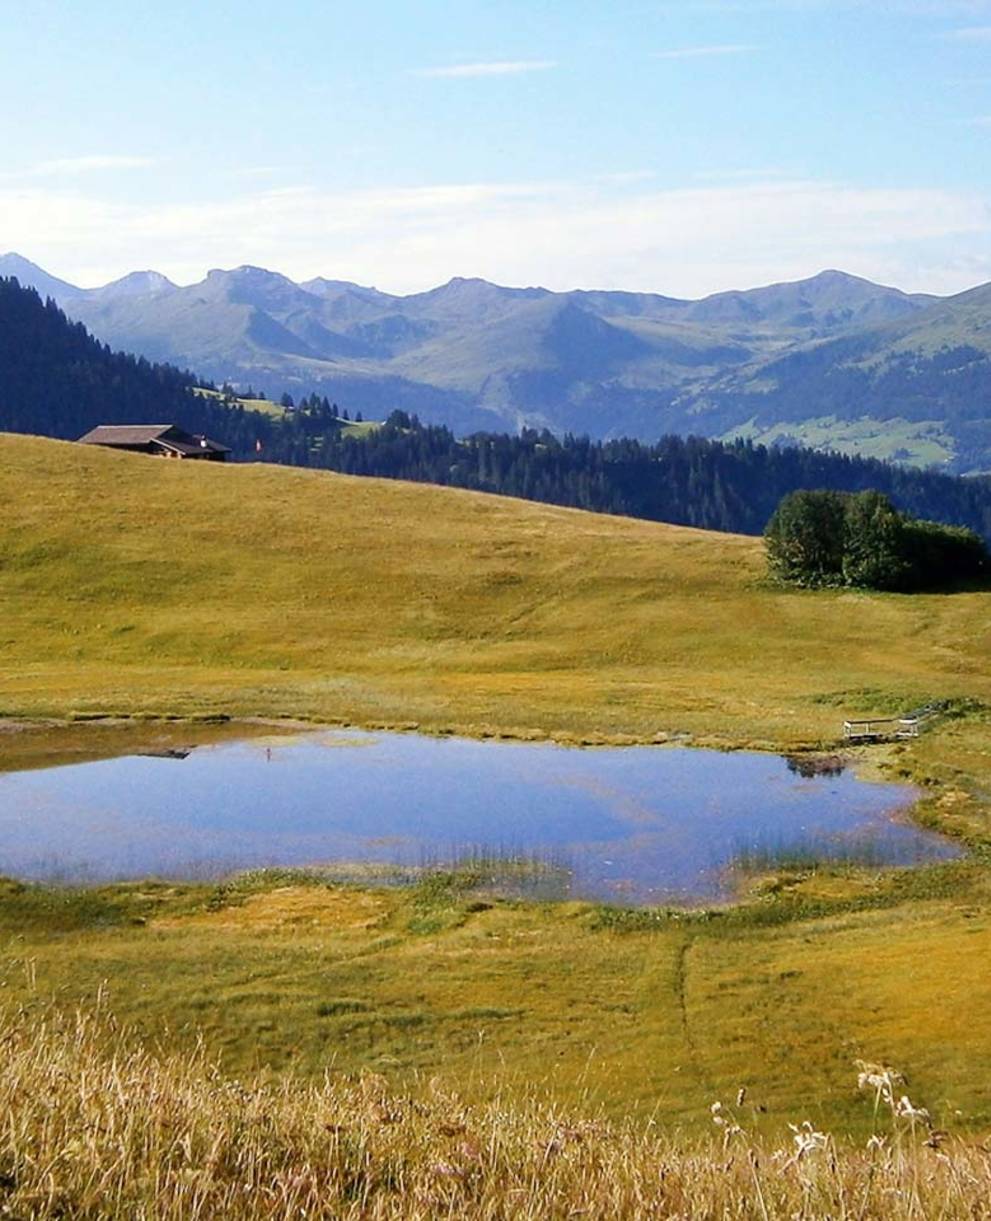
[265, 406]
[349, 428]
[360, 428]
[134, 585]
[355, 428]
[284, 977]
[920, 442]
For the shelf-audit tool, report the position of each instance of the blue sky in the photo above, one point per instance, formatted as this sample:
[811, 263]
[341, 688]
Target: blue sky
[678, 146]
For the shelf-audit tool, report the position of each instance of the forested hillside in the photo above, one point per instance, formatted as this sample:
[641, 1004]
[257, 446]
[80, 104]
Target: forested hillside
[686, 480]
[56, 380]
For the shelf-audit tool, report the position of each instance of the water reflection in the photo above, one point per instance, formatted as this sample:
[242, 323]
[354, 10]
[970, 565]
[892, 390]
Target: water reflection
[632, 824]
[808, 766]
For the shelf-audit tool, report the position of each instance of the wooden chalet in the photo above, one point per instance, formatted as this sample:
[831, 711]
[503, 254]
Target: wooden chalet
[162, 440]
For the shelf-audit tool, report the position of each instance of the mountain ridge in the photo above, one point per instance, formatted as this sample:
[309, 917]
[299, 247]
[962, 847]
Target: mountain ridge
[832, 359]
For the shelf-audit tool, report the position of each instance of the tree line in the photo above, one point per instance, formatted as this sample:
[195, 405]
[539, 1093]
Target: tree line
[733, 486]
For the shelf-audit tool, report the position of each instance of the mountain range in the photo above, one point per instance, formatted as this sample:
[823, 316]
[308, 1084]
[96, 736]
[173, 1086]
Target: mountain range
[834, 361]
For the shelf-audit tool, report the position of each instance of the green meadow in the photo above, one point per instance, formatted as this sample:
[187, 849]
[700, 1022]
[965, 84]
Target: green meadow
[139, 596]
[132, 587]
[653, 1015]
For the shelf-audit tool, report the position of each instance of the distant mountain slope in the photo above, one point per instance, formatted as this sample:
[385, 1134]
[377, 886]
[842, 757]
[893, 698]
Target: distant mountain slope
[832, 360]
[135, 284]
[32, 276]
[832, 300]
[931, 370]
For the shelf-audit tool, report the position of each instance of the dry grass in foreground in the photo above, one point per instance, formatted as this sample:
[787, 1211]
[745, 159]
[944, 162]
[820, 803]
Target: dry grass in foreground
[93, 1125]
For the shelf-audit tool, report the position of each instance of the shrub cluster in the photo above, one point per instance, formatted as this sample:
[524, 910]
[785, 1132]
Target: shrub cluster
[822, 538]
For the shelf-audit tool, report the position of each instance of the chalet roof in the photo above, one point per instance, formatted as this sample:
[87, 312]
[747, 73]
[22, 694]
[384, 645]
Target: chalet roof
[169, 435]
[125, 434]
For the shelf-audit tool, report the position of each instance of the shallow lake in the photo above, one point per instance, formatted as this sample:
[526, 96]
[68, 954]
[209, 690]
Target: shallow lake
[630, 824]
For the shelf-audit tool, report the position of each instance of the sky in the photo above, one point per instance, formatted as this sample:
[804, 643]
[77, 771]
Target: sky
[673, 146]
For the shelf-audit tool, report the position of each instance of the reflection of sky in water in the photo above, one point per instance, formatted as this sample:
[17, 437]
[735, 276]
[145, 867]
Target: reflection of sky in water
[639, 824]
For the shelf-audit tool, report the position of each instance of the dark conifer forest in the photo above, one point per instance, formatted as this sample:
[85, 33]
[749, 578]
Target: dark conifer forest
[57, 380]
[686, 480]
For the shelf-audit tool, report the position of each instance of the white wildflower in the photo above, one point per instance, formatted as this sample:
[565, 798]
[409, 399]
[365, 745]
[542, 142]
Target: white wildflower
[807, 1139]
[905, 1110]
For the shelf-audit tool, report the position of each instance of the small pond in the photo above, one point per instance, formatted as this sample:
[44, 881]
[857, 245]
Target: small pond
[630, 824]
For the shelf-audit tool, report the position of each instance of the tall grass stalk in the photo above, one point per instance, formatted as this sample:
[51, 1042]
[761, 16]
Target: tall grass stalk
[95, 1124]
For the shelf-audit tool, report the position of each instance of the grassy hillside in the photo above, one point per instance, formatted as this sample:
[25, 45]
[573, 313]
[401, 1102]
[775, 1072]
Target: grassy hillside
[129, 584]
[135, 585]
[277, 411]
[922, 443]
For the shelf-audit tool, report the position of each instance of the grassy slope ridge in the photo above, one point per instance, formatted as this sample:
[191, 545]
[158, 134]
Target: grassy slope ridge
[133, 585]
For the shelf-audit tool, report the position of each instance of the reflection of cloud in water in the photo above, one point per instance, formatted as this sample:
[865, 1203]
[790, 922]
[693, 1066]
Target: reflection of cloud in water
[621, 803]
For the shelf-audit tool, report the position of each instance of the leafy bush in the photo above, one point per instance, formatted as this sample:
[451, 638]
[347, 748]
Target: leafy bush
[874, 542]
[823, 538]
[941, 555]
[805, 538]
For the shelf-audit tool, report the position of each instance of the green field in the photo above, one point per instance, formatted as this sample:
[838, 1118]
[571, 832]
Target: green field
[916, 442]
[351, 428]
[133, 586]
[136, 588]
[597, 1010]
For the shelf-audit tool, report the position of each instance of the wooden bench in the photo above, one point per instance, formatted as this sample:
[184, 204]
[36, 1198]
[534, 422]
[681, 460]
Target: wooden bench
[908, 726]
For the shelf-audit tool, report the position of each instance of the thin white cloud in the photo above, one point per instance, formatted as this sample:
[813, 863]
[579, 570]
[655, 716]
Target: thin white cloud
[981, 120]
[684, 242]
[746, 174]
[87, 165]
[706, 52]
[628, 177]
[499, 67]
[973, 33]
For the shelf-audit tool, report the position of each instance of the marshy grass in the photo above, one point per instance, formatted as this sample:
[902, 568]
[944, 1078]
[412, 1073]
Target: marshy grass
[434, 881]
[97, 1124]
[812, 852]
